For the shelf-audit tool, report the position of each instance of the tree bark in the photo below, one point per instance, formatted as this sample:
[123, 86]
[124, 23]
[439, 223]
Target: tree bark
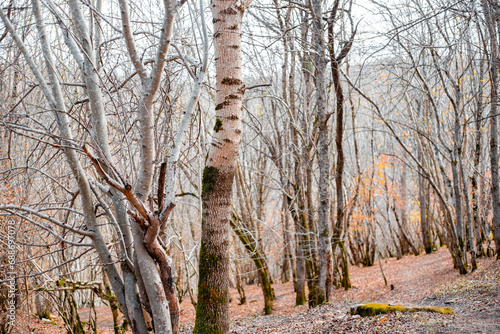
[250, 239]
[494, 63]
[478, 135]
[405, 246]
[260, 262]
[470, 226]
[300, 288]
[100, 132]
[424, 220]
[212, 309]
[324, 287]
[335, 61]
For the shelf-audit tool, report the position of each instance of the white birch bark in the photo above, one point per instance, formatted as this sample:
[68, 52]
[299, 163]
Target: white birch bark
[213, 287]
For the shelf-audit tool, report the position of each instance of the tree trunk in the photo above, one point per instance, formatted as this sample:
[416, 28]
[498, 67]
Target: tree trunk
[494, 66]
[470, 226]
[403, 227]
[287, 253]
[335, 61]
[424, 219]
[212, 309]
[100, 133]
[239, 282]
[293, 206]
[300, 288]
[455, 153]
[250, 239]
[478, 116]
[457, 150]
[324, 287]
[260, 262]
[55, 99]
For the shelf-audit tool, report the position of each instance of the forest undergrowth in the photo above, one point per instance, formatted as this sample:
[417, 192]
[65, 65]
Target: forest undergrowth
[416, 280]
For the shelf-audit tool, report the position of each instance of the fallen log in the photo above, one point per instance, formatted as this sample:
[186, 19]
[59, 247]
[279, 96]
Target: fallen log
[370, 309]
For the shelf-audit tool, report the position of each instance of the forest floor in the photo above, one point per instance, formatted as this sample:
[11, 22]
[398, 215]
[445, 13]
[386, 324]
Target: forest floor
[417, 280]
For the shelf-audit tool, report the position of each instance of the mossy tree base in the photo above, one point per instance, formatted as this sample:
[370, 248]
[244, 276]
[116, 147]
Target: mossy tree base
[300, 299]
[260, 262]
[371, 309]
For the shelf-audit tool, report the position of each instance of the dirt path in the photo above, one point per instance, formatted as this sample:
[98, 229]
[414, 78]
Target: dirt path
[413, 278]
[422, 280]
[418, 280]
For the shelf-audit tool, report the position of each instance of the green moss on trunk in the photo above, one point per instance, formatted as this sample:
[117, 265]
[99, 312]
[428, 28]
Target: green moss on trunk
[209, 177]
[209, 298]
[218, 125]
[300, 298]
[268, 291]
[260, 263]
[346, 281]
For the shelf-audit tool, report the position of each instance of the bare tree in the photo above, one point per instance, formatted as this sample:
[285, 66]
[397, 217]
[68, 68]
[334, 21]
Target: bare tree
[489, 8]
[213, 287]
[323, 289]
[140, 247]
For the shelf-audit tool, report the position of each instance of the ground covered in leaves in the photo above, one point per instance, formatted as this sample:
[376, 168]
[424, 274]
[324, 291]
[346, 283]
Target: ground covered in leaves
[417, 280]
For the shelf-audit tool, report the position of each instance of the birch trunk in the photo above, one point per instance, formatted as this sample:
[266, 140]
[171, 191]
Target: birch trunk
[212, 313]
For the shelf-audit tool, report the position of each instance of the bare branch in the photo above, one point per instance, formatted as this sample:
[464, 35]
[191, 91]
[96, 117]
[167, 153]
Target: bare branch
[10, 208]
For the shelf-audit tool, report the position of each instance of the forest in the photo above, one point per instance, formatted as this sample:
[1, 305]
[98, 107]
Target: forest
[249, 166]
